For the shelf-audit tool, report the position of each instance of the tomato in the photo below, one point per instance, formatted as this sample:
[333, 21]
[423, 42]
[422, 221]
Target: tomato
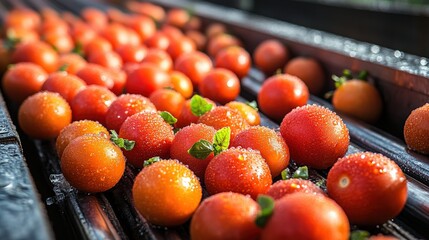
[124, 106]
[157, 188]
[316, 136]
[159, 58]
[149, 9]
[96, 18]
[222, 116]
[92, 163]
[270, 55]
[152, 136]
[146, 79]
[308, 216]
[234, 58]
[186, 116]
[36, 52]
[180, 46]
[220, 42]
[309, 71]
[225, 216]
[131, 53]
[168, 100]
[22, 80]
[177, 17]
[77, 129]
[370, 187]
[185, 138]
[119, 80]
[182, 84]
[23, 18]
[269, 143]
[72, 62]
[117, 34]
[62, 42]
[359, 99]
[94, 74]
[195, 65]
[238, 170]
[199, 39]
[82, 33]
[283, 188]
[215, 29]
[280, 94]
[92, 103]
[158, 40]
[97, 45]
[24, 35]
[416, 131]
[382, 237]
[220, 85]
[171, 32]
[67, 85]
[109, 59]
[250, 114]
[43, 115]
[143, 26]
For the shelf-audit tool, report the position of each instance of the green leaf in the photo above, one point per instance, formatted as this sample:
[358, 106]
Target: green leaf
[170, 119]
[267, 208]
[78, 49]
[347, 74]
[63, 68]
[338, 80]
[221, 140]
[253, 104]
[121, 142]
[363, 75]
[151, 161]
[301, 172]
[321, 183]
[285, 174]
[359, 235]
[10, 42]
[201, 149]
[199, 105]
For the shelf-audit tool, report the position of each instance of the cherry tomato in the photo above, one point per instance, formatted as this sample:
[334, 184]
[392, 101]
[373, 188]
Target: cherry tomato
[182, 84]
[94, 74]
[250, 114]
[158, 40]
[97, 45]
[146, 79]
[37, 52]
[370, 187]
[177, 17]
[280, 94]
[109, 59]
[316, 136]
[195, 65]
[131, 53]
[180, 46]
[309, 71]
[270, 55]
[67, 85]
[199, 39]
[234, 58]
[221, 41]
[168, 100]
[220, 85]
[159, 58]
[71, 62]
[96, 18]
[416, 131]
[215, 29]
[283, 188]
[186, 116]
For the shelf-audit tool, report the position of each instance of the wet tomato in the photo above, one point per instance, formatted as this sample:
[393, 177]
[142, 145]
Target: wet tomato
[146, 79]
[309, 70]
[269, 143]
[270, 55]
[168, 100]
[238, 170]
[225, 215]
[71, 62]
[316, 136]
[282, 188]
[157, 188]
[187, 116]
[308, 216]
[370, 187]
[195, 65]
[152, 135]
[67, 85]
[220, 85]
[250, 113]
[22, 80]
[43, 115]
[37, 52]
[234, 58]
[281, 93]
[94, 74]
[416, 130]
[92, 163]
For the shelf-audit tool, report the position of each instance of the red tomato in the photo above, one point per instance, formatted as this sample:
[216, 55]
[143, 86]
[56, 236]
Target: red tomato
[109, 59]
[270, 55]
[142, 25]
[234, 58]
[225, 216]
[72, 62]
[94, 74]
[180, 46]
[177, 17]
[67, 85]
[280, 94]
[94, 17]
[97, 45]
[309, 71]
[92, 103]
[187, 117]
[158, 40]
[220, 85]
[316, 136]
[195, 65]
[308, 216]
[131, 53]
[62, 42]
[159, 58]
[37, 52]
[283, 188]
[416, 130]
[238, 170]
[182, 84]
[168, 100]
[23, 18]
[370, 187]
[221, 41]
[199, 39]
[146, 79]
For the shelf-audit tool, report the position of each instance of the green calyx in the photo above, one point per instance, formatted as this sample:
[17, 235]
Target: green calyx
[203, 148]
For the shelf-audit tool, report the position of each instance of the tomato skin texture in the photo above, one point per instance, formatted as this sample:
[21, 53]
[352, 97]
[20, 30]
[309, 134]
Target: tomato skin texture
[370, 187]
[309, 71]
[270, 55]
[238, 170]
[359, 99]
[92, 103]
[185, 138]
[225, 215]
[153, 137]
[23, 80]
[249, 113]
[316, 136]
[195, 65]
[146, 79]
[166, 193]
[280, 94]
[220, 85]
[306, 216]
[269, 143]
[283, 188]
[43, 115]
[416, 130]
[92, 163]
[37, 52]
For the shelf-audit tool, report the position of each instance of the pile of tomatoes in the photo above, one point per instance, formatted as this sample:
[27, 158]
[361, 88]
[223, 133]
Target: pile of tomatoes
[112, 88]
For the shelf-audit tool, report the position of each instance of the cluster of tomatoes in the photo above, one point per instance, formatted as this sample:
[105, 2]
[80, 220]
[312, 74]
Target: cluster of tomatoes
[76, 78]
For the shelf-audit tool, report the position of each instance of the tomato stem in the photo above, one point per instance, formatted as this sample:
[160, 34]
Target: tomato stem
[121, 142]
[267, 208]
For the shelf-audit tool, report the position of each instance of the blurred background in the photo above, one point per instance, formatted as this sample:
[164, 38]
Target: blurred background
[396, 24]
